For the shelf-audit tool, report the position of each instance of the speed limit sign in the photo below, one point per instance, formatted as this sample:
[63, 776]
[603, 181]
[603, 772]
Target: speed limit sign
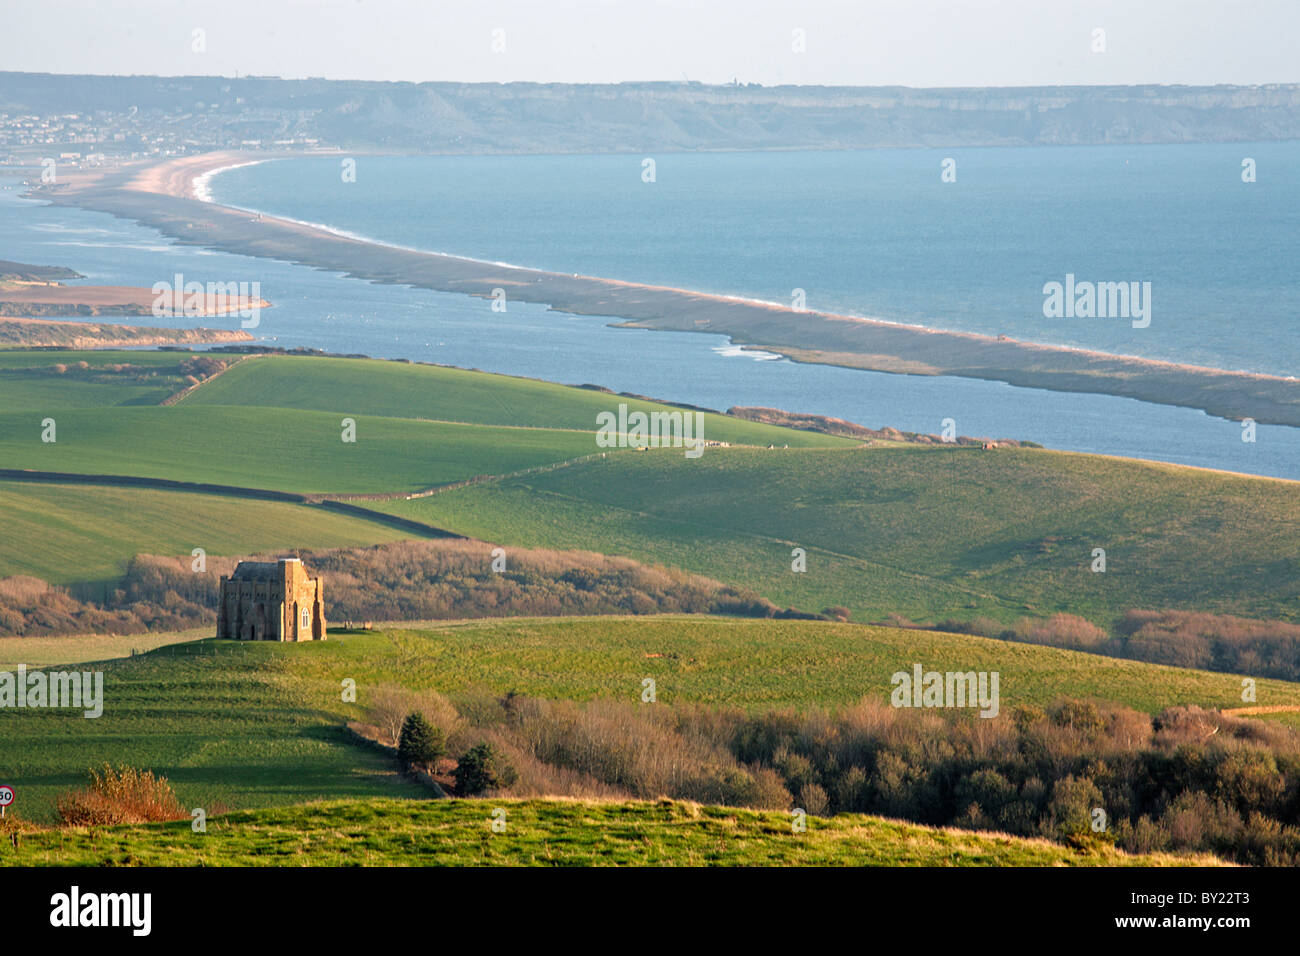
[6, 798]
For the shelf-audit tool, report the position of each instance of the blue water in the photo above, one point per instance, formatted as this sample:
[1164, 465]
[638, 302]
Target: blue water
[332, 312]
[870, 233]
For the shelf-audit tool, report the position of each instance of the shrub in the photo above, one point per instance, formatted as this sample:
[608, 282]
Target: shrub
[1143, 836]
[1194, 821]
[768, 792]
[987, 789]
[812, 798]
[390, 704]
[894, 784]
[420, 743]
[1060, 630]
[795, 768]
[852, 793]
[1071, 808]
[1081, 715]
[1218, 642]
[1188, 779]
[405, 580]
[483, 768]
[122, 795]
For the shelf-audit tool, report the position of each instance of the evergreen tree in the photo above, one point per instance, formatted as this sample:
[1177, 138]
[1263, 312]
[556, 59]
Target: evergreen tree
[420, 743]
[483, 768]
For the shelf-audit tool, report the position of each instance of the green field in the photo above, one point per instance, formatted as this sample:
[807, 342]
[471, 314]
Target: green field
[752, 664]
[87, 533]
[278, 449]
[400, 390]
[257, 725]
[33, 391]
[927, 532]
[43, 358]
[28, 382]
[109, 423]
[105, 426]
[546, 833]
[58, 652]
[229, 728]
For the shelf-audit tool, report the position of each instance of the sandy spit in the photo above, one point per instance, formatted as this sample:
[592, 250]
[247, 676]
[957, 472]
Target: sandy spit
[163, 196]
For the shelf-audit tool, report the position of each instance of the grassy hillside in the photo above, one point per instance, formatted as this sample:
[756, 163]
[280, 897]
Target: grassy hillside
[46, 381]
[284, 450]
[38, 391]
[254, 725]
[42, 358]
[59, 652]
[927, 532]
[546, 833]
[275, 422]
[222, 435]
[400, 390]
[752, 664]
[87, 533]
[228, 728]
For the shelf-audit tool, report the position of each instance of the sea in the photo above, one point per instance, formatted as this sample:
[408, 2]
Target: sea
[955, 239]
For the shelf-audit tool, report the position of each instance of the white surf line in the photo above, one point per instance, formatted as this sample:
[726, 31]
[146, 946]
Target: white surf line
[202, 183]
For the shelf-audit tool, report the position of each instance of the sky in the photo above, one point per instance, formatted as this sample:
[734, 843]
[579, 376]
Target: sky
[867, 42]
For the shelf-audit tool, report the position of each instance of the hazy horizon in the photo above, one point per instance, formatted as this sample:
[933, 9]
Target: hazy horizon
[642, 82]
[916, 43]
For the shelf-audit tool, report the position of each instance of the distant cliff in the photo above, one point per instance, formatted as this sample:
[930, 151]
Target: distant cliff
[530, 117]
[21, 272]
[43, 333]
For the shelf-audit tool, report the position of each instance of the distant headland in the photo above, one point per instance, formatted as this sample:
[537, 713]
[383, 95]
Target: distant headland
[156, 114]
